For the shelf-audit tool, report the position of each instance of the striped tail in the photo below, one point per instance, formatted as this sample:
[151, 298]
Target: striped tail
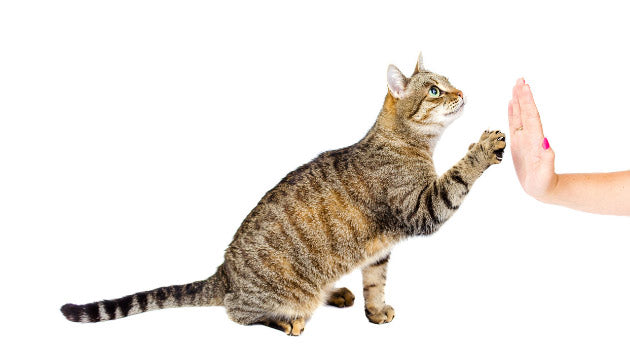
[201, 293]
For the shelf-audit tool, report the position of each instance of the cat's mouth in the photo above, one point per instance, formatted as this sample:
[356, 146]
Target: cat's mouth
[457, 109]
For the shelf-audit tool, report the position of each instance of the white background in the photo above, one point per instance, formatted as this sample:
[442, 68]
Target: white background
[136, 135]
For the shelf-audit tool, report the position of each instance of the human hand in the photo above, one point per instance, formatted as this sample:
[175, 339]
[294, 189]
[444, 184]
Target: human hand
[533, 157]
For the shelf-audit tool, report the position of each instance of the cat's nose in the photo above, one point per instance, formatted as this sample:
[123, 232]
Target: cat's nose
[461, 94]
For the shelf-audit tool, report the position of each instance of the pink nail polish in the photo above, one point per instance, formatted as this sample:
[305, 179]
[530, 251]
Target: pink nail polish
[545, 144]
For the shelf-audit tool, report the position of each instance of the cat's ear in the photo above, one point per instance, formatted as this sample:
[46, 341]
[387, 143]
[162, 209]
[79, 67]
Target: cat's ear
[396, 81]
[419, 64]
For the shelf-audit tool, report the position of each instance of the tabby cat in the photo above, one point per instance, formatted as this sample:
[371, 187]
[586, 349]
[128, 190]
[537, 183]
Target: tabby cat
[344, 210]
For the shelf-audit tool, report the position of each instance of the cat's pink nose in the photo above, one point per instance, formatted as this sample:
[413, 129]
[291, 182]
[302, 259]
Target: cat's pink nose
[461, 94]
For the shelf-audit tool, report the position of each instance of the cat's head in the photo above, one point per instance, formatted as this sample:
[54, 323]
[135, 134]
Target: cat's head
[425, 102]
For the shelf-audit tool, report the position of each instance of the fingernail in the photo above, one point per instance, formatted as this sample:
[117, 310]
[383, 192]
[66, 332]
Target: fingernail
[545, 144]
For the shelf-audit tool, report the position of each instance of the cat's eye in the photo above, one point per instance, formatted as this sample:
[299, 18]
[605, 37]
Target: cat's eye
[434, 91]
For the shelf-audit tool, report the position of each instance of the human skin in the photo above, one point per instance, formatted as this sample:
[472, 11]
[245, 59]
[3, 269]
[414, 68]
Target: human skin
[599, 193]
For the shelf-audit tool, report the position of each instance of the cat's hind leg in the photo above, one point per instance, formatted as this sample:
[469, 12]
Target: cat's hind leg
[243, 310]
[246, 310]
[293, 327]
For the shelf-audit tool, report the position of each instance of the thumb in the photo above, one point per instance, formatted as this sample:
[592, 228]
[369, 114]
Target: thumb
[548, 155]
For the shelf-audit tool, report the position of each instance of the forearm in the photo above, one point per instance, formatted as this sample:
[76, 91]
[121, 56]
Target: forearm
[599, 193]
[438, 200]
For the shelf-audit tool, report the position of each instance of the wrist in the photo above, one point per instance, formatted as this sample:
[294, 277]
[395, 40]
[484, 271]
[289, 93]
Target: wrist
[550, 195]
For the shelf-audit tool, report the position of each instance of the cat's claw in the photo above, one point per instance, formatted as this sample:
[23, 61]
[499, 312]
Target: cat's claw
[492, 144]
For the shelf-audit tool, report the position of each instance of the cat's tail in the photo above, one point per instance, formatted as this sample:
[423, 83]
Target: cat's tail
[208, 292]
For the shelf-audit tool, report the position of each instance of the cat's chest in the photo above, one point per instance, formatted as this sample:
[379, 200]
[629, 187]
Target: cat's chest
[378, 248]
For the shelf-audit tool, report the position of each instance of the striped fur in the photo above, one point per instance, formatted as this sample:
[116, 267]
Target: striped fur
[201, 293]
[344, 210]
[374, 277]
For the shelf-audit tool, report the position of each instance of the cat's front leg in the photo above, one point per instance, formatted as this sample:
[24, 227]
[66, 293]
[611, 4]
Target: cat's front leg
[374, 277]
[437, 201]
[488, 150]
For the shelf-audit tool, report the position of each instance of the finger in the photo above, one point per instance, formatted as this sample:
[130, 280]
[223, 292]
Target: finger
[548, 155]
[519, 83]
[529, 113]
[513, 119]
[547, 158]
[516, 110]
[516, 130]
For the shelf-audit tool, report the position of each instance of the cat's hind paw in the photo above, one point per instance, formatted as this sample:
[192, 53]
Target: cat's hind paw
[341, 297]
[293, 327]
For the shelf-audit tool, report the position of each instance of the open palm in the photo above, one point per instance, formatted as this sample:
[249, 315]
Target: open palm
[532, 156]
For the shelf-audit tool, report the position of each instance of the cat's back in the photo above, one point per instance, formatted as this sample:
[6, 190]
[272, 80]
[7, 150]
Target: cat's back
[352, 182]
[310, 187]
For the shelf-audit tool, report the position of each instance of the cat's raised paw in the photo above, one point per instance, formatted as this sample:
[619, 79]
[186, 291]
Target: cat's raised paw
[379, 316]
[341, 297]
[492, 144]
